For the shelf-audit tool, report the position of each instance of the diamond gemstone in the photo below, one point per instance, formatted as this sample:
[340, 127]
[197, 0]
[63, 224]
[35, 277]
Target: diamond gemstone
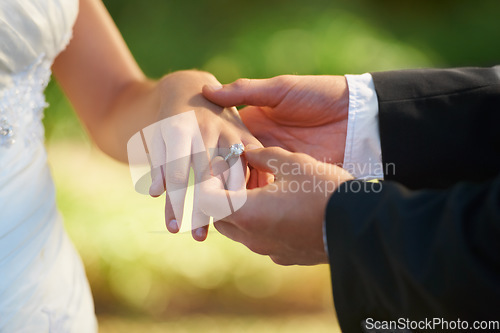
[236, 149]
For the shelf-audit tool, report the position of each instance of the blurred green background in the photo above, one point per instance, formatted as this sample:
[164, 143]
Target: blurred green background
[144, 278]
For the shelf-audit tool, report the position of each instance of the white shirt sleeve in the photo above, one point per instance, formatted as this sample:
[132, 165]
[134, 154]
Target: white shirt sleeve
[363, 154]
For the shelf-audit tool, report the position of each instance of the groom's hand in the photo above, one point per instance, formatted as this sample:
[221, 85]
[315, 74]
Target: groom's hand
[284, 219]
[305, 114]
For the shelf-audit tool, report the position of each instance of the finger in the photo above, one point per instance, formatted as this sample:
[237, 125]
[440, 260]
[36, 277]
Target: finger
[236, 175]
[271, 160]
[237, 166]
[259, 92]
[157, 155]
[265, 178]
[156, 151]
[199, 220]
[155, 148]
[176, 172]
[259, 179]
[214, 200]
[237, 179]
[254, 179]
[246, 204]
[158, 185]
[200, 234]
[170, 221]
[201, 167]
[247, 173]
[259, 211]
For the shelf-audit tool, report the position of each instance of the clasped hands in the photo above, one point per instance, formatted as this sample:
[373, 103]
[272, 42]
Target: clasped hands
[285, 188]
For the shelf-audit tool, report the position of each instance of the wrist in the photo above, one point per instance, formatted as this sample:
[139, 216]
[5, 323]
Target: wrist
[185, 82]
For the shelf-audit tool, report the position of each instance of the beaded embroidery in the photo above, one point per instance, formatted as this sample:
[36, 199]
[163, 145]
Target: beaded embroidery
[22, 104]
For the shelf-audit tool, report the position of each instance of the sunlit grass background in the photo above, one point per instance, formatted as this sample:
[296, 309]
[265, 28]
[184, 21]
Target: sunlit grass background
[145, 279]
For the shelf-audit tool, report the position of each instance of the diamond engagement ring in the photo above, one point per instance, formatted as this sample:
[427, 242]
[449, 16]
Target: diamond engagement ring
[235, 150]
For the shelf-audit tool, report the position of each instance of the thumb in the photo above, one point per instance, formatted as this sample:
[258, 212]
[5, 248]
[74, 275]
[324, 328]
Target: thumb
[257, 92]
[270, 159]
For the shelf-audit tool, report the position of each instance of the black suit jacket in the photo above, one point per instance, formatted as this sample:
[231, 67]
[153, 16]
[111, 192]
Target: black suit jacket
[425, 243]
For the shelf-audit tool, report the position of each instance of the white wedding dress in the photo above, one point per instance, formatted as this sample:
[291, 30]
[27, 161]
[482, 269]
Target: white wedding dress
[43, 287]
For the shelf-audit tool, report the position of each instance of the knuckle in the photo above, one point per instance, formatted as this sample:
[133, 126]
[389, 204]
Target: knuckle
[207, 75]
[285, 80]
[241, 83]
[278, 150]
[284, 85]
[172, 129]
[197, 74]
[273, 150]
[186, 74]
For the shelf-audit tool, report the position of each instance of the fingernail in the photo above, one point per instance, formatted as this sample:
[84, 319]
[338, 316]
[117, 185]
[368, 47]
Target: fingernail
[173, 225]
[214, 87]
[153, 192]
[251, 146]
[200, 233]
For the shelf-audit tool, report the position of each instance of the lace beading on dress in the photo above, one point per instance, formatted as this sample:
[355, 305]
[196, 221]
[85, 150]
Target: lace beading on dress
[22, 105]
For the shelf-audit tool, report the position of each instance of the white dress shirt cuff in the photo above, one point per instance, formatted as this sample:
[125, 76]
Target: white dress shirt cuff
[363, 154]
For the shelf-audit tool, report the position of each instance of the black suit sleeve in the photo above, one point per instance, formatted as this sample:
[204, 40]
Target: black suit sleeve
[425, 243]
[397, 253]
[439, 126]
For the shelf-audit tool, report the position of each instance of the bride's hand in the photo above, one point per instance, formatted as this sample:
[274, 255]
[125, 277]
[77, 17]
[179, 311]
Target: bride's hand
[181, 139]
